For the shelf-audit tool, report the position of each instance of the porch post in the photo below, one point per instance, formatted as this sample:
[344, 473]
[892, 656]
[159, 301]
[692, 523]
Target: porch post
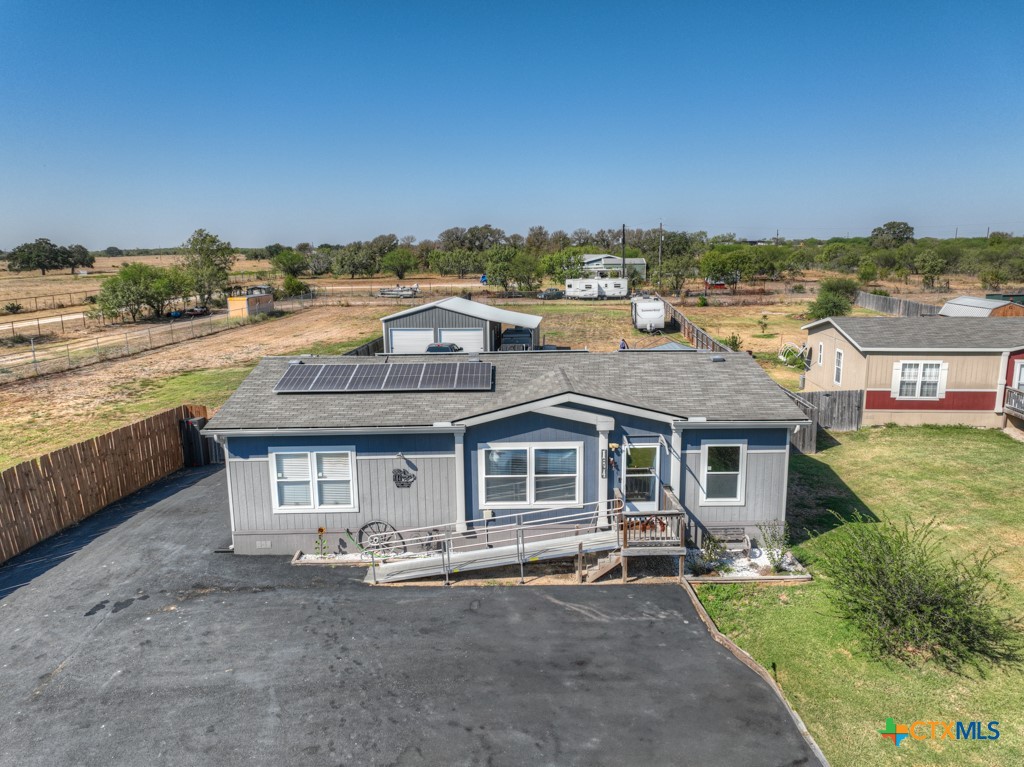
[676, 459]
[460, 482]
[602, 477]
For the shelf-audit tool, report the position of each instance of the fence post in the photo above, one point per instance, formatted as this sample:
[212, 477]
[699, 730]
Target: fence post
[35, 362]
[192, 326]
[150, 332]
[170, 327]
[67, 348]
[62, 324]
[39, 330]
[127, 348]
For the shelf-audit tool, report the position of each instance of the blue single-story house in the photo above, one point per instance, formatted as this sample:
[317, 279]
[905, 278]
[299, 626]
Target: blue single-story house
[413, 441]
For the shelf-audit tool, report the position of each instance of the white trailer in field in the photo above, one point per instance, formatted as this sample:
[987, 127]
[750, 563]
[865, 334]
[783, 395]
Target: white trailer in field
[597, 287]
[648, 313]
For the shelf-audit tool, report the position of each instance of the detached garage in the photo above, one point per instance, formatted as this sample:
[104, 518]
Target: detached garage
[474, 326]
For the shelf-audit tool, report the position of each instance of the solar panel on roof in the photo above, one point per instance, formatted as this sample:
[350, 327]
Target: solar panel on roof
[473, 376]
[439, 375]
[367, 378]
[404, 377]
[333, 378]
[298, 378]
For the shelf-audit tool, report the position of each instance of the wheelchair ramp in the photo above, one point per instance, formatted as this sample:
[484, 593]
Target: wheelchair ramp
[484, 557]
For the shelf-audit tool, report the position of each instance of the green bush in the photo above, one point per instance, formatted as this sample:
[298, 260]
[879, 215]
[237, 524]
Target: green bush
[843, 286]
[829, 304]
[13, 307]
[293, 286]
[912, 602]
[734, 342]
[880, 292]
[799, 288]
[702, 301]
[708, 558]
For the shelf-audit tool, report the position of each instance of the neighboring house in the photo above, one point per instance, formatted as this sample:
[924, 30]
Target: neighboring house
[1016, 296]
[339, 442]
[915, 370]
[603, 264]
[474, 326]
[969, 306]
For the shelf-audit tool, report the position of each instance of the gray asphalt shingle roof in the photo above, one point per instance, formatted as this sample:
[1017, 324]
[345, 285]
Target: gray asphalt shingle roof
[682, 385]
[939, 333]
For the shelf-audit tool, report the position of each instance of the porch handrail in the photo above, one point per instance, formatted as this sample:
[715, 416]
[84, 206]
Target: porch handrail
[1014, 399]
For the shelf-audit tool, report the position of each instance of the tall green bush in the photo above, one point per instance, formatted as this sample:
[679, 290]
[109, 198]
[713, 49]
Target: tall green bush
[912, 601]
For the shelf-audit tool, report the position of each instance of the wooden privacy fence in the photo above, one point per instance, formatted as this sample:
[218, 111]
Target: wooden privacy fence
[837, 410]
[806, 439]
[41, 497]
[695, 335]
[895, 306]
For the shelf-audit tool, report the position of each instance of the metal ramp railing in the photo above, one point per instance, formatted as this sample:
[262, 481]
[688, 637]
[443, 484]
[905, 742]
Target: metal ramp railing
[529, 536]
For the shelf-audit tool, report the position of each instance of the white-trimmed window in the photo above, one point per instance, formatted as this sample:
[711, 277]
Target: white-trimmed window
[531, 475]
[837, 378]
[723, 473]
[919, 379]
[313, 481]
[821, 353]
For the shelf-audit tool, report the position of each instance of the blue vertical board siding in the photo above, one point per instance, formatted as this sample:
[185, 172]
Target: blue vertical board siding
[364, 444]
[531, 428]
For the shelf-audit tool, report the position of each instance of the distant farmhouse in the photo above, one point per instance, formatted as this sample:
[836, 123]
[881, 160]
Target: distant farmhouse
[918, 370]
[604, 264]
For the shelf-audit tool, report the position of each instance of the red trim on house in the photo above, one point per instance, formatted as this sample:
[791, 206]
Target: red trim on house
[1010, 367]
[954, 400]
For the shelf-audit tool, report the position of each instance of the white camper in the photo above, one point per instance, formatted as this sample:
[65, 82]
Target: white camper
[648, 313]
[597, 287]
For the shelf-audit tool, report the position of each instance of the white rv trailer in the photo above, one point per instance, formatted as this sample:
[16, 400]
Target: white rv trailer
[648, 313]
[597, 287]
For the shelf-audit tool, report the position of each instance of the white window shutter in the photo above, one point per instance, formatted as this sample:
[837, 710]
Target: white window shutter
[943, 375]
[897, 368]
[334, 465]
[292, 465]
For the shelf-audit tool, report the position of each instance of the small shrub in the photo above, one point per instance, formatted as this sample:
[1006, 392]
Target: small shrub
[799, 288]
[763, 323]
[13, 307]
[774, 540]
[90, 299]
[708, 558]
[702, 301]
[880, 292]
[912, 601]
[293, 286]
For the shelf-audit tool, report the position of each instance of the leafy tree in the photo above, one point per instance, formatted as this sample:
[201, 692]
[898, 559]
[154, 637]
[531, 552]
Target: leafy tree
[566, 264]
[512, 268]
[273, 250]
[453, 238]
[290, 263]
[399, 262]
[113, 252]
[293, 286]
[868, 270]
[459, 262]
[131, 290]
[843, 286]
[892, 235]
[581, 237]
[320, 260]
[41, 254]
[537, 240]
[207, 261]
[355, 259]
[381, 245]
[481, 238]
[930, 265]
[78, 257]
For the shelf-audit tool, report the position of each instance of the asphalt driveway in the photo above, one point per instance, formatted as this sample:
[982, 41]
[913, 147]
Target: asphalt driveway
[146, 647]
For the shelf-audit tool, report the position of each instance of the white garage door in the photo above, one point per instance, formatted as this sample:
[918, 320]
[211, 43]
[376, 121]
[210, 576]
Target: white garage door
[471, 340]
[411, 340]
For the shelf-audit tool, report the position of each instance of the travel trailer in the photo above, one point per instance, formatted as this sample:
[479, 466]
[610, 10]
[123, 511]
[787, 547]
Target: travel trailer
[591, 287]
[648, 313]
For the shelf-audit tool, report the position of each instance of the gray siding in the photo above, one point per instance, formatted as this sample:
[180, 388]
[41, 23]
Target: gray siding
[430, 501]
[765, 493]
[437, 318]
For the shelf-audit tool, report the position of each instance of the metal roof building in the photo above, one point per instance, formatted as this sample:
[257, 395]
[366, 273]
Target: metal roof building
[969, 306]
[474, 326]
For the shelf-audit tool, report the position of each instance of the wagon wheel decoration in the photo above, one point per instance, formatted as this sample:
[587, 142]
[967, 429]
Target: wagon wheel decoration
[381, 538]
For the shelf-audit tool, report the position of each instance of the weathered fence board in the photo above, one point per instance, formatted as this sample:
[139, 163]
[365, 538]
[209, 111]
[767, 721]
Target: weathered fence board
[837, 410]
[896, 306]
[369, 349]
[806, 439]
[41, 497]
[697, 337]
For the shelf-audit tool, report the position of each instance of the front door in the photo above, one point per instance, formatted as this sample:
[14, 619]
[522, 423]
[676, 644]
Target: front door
[640, 478]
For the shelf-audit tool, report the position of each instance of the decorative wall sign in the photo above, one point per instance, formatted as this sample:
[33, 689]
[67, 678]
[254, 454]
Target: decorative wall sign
[403, 477]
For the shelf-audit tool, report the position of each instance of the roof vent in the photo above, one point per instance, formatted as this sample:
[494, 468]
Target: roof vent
[718, 358]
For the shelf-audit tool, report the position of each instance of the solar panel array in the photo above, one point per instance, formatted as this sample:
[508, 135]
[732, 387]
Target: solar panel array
[420, 376]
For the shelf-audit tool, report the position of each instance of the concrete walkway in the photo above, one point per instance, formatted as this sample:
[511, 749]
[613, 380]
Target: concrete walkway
[145, 647]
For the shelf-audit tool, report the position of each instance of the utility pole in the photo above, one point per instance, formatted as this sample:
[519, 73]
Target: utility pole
[956, 233]
[661, 239]
[623, 272]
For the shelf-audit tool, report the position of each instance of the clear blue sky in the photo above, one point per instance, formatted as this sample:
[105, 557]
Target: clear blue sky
[134, 123]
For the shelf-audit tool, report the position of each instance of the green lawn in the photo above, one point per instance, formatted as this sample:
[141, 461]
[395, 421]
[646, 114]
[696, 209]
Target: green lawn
[968, 480]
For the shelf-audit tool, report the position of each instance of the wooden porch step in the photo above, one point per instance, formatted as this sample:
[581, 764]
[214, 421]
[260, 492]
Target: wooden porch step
[604, 566]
